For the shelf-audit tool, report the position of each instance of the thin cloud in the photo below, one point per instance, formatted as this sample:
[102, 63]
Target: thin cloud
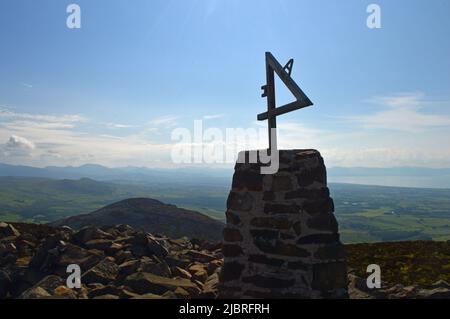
[119, 125]
[67, 118]
[399, 100]
[213, 116]
[111, 136]
[167, 120]
[27, 85]
[38, 125]
[62, 141]
[403, 112]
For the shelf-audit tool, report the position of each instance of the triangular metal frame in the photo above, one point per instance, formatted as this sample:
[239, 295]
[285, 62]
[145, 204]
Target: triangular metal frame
[272, 65]
[284, 73]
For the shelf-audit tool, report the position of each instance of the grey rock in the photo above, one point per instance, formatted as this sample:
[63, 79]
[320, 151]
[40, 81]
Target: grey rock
[8, 230]
[90, 233]
[5, 283]
[143, 283]
[104, 272]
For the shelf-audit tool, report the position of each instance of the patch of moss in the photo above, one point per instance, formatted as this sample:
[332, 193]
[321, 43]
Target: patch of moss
[406, 263]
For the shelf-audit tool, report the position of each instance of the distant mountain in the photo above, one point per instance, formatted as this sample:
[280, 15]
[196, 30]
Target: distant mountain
[187, 176]
[394, 176]
[152, 216]
[388, 171]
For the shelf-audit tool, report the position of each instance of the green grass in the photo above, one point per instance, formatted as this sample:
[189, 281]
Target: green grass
[406, 263]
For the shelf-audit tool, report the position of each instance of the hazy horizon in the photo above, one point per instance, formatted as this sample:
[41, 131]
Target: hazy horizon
[416, 177]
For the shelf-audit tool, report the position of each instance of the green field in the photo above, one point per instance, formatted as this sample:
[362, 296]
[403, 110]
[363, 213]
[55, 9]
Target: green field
[40, 200]
[365, 213]
[376, 213]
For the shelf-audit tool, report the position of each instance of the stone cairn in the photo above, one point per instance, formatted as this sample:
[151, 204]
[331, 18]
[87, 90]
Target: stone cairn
[281, 238]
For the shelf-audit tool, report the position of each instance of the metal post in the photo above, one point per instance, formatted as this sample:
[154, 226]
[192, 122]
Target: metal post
[272, 120]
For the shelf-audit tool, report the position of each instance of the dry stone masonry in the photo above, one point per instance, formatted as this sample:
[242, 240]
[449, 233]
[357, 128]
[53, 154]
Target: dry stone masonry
[281, 238]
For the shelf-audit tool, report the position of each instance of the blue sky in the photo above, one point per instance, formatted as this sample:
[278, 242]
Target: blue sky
[112, 92]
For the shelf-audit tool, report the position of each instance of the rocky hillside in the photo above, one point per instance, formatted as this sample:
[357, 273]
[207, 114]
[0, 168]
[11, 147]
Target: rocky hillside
[151, 216]
[116, 262]
[121, 262]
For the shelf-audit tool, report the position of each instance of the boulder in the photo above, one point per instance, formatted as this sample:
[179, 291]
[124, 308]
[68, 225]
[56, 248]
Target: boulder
[201, 256]
[436, 293]
[125, 229]
[99, 244]
[65, 292]
[44, 288]
[123, 255]
[143, 283]
[159, 268]
[181, 293]
[72, 254]
[90, 233]
[8, 230]
[107, 297]
[158, 247]
[104, 272]
[214, 266]
[114, 249]
[129, 267]
[148, 296]
[212, 283]
[104, 290]
[8, 254]
[200, 275]
[169, 295]
[126, 293]
[5, 283]
[180, 272]
[178, 261]
[35, 293]
[438, 290]
[47, 254]
[145, 244]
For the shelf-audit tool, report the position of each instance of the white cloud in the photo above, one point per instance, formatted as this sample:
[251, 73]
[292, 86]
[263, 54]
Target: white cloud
[6, 114]
[75, 140]
[60, 140]
[37, 124]
[27, 85]
[19, 142]
[167, 121]
[403, 112]
[18, 146]
[111, 136]
[213, 116]
[407, 99]
[293, 135]
[118, 125]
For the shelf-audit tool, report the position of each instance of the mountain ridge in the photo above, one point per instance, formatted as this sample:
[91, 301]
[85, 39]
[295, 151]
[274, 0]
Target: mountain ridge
[100, 172]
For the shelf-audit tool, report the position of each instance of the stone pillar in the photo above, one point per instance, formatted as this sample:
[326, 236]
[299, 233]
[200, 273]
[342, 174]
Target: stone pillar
[281, 238]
